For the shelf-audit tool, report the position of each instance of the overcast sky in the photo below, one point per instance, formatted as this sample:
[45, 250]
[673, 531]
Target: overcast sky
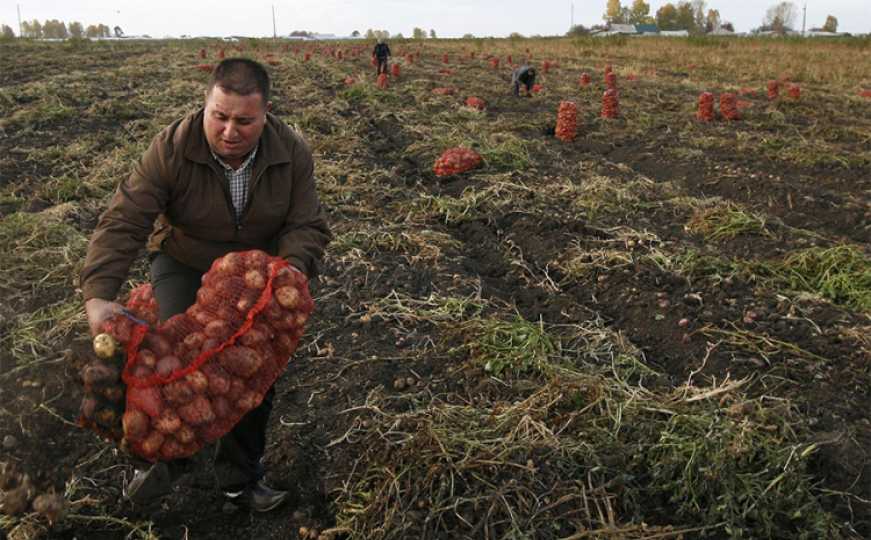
[449, 18]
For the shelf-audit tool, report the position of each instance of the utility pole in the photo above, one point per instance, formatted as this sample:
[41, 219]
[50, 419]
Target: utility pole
[803, 19]
[274, 33]
[18, 7]
[573, 17]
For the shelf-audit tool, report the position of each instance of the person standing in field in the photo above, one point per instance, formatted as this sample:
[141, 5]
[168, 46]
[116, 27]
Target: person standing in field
[228, 177]
[382, 55]
[524, 75]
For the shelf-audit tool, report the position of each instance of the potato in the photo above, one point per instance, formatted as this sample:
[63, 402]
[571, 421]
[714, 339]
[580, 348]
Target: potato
[272, 311]
[152, 443]
[206, 299]
[157, 343]
[135, 424]
[168, 364]
[197, 412]
[285, 343]
[221, 407]
[106, 418]
[199, 314]
[255, 280]
[217, 329]
[218, 380]
[255, 260]
[198, 381]
[288, 297]
[178, 392]
[194, 340]
[246, 301]
[258, 333]
[99, 373]
[168, 422]
[249, 400]
[241, 361]
[237, 388]
[120, 327]
[147, 399]
[141, 371]
[231, 263]
[171, 449]
[88, 408]
[146, 357]
[105, 346]
[51, 506]
[185, 434]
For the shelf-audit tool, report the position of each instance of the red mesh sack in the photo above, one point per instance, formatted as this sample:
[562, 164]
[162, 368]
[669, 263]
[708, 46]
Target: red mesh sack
[567, 121]
[445, 59]
[443, 91]
[509, 60]
[773, 89]
[545, 66]
[409, 58]
[795, 91]
[610, 104]
[192, 378]
[494, 63]
[394, 70]
[307, 57]
[584, 80]
[536, 88]
[611, 79]
[476, 103]
[382, 81]
[221, 54]
[455, 161]
[729, 106]
[202, 53]
[706, 107]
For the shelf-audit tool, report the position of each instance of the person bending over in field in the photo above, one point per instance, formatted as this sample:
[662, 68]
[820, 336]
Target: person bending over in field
[524, 75]
[382, 55]
[228, 177]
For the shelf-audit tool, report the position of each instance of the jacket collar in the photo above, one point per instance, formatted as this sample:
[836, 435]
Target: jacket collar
[270, 150]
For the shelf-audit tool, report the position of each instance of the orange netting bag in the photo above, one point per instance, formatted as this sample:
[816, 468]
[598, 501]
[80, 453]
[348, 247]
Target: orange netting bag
[705, 112]
[567, 121]
[455, 161]
[476, 103]
[192, 378]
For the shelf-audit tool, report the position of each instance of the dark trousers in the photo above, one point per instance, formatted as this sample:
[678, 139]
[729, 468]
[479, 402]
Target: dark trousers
[382, 65]
[238, 458]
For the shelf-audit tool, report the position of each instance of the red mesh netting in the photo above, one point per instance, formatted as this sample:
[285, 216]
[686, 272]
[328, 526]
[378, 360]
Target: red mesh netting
[584, 80]
[409, 58]
[567, 121]
[455, 161]
[773, 89]
[611, 80]
[545, 66]
[374, 61]
[476, 103]
[382, 81]
[394, 70]
[443, 91]
[706, 107]
[610, 104]
[509, 60]
[794, 91]
[190, 379]
[536, 88]
[307, 57]
[445, 59]
[494, 63]
[729, 106]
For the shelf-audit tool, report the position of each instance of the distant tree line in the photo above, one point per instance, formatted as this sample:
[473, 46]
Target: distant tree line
[55, 29]
[694, 17]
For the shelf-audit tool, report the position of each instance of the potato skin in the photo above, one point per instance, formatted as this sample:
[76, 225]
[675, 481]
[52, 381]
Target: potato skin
[152, 443]
[178, 392]
[218, 380]
[168, 422]
[288, 297]
[147, 399]
[197, 412]
[135, 424]
[240, 361]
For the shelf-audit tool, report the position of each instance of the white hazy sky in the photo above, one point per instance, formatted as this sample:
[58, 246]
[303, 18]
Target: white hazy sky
[449, 18]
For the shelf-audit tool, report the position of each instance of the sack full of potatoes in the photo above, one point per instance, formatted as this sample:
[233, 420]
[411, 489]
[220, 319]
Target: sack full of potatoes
[190, 379]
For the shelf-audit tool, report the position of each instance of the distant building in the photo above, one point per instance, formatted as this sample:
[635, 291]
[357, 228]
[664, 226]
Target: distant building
[647, 29]
[674, 33]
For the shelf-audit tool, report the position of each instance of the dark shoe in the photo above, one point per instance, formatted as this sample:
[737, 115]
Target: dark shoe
[148, 484]
[259, 497]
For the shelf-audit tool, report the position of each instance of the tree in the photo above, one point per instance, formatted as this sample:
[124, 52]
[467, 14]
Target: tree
[399, 36]
[516, 35]
[76, 29]
[640, 12]
[468, 36]
[685, 18]
[728, 26]
[578, 30]
[418, 33]
[355, 33]
[432, 33]
[118, 32]
[31, 29]
[92, 31]
[712, 21]
[54, 29]
[666, 17]
[370, 34]
[698, 7]
[6, 32]
[780, 18]
[831, 24]
[614, 12]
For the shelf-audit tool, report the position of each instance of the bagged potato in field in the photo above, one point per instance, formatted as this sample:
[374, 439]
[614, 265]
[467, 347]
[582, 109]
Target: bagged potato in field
[192, 378]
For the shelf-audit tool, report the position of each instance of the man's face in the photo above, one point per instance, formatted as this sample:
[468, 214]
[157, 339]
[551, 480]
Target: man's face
[233, 123]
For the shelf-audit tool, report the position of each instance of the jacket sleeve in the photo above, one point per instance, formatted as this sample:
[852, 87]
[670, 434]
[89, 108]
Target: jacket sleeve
[124, 227]
[305, 234]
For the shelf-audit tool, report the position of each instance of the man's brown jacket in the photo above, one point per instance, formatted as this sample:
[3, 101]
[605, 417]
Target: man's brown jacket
[177, 201]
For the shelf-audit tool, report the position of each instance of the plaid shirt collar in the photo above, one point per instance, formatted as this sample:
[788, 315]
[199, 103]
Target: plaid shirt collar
[245, 164]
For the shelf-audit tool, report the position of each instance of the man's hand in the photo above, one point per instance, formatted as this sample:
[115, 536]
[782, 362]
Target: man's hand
[98, 311]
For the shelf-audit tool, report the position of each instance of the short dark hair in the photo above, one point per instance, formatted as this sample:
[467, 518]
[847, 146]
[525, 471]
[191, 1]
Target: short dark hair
[241, 76]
